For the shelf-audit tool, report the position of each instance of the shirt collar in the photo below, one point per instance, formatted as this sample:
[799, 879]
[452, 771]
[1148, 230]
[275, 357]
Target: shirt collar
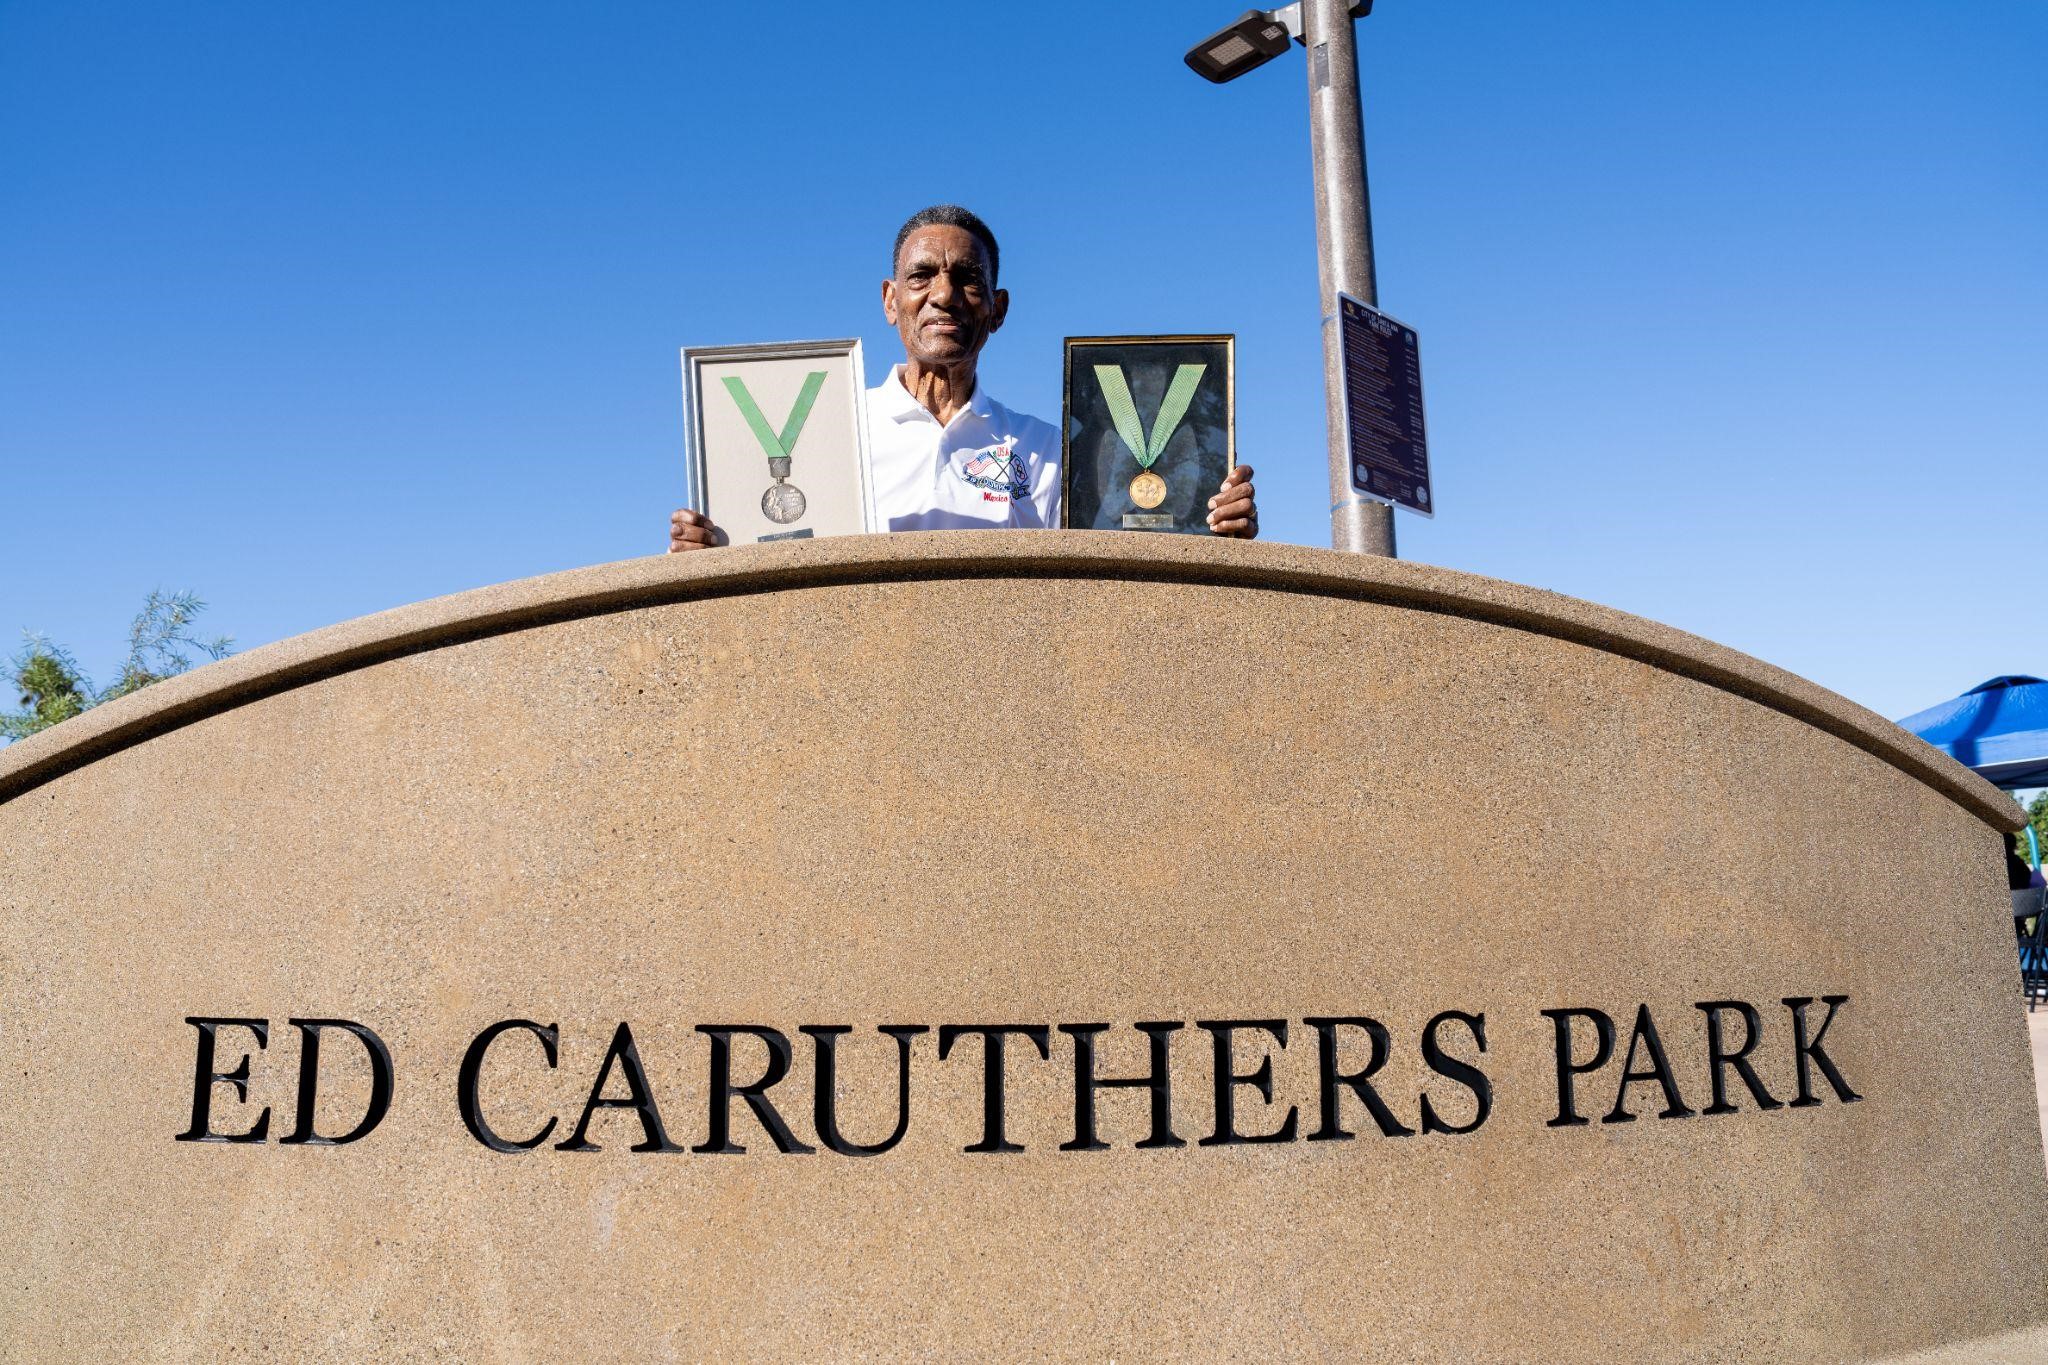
[898, 404]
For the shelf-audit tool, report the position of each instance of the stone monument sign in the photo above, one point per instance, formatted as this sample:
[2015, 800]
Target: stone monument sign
[1008, 944]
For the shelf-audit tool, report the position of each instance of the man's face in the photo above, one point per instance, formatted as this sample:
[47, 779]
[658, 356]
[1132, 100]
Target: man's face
[942, 301]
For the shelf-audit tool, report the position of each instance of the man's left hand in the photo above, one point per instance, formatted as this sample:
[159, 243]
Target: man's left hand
[1234, 511]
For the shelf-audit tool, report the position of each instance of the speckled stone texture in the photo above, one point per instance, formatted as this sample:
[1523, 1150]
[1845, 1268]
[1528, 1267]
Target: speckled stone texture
[1050, 778]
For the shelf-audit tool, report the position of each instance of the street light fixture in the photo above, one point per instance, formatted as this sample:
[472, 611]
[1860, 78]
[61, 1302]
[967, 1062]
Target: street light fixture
[1343, 210]
[1255, 39]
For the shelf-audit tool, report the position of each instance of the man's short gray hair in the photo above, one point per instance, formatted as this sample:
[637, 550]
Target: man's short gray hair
[948, 215]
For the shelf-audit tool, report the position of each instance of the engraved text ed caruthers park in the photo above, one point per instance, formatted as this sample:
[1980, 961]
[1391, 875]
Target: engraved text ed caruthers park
[1605, 1067]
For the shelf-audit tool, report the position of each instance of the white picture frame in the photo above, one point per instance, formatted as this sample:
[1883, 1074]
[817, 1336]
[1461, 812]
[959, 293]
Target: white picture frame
[826, 486]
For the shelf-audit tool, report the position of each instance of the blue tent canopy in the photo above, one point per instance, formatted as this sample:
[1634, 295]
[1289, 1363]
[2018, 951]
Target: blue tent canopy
[1999, 728]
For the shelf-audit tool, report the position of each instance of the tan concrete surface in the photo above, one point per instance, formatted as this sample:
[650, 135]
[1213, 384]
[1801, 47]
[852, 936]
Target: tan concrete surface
[964, 555]
[2027, 1346]
[2037, 1032]
[1038, 780]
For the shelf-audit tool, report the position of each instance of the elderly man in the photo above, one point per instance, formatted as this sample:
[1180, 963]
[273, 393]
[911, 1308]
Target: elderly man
[946, 455]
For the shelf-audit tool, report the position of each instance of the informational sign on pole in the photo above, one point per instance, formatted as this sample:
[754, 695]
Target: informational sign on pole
[1388, 445]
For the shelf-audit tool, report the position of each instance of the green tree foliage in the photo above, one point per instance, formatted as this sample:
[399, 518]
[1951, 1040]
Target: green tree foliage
[161, 643]
[52, 687]
[2037, 816]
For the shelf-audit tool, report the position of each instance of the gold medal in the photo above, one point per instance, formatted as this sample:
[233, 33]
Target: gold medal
[1148, 490]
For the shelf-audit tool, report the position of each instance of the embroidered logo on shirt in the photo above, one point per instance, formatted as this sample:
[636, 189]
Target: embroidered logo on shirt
[999, 469]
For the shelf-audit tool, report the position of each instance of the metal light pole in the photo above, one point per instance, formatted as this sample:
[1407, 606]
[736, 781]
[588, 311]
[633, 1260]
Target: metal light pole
[1359, 524]
[1343, 213]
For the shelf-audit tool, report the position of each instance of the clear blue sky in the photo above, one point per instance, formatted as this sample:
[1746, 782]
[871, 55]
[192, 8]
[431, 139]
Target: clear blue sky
[1731, 314]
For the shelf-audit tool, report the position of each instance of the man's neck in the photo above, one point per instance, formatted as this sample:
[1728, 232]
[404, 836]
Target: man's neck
[941, 390]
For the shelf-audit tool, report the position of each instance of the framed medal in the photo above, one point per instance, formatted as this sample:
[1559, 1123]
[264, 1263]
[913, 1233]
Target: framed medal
[1150, 431]
[777, 439]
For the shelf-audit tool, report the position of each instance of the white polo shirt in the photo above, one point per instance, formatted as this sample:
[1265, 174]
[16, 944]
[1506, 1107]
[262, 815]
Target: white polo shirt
[989, 466]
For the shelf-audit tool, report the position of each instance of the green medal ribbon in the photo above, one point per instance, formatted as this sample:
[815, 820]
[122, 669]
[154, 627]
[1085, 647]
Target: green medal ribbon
[772, 445]
[1116, 391]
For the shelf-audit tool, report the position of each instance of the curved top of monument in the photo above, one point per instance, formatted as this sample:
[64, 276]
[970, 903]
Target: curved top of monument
[926, 556]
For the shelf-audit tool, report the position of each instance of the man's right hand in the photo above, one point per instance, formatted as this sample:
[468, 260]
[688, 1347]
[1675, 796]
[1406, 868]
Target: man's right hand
[689, 530]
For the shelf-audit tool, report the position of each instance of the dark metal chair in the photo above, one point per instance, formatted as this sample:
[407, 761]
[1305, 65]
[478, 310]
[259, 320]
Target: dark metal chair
[2033, 943]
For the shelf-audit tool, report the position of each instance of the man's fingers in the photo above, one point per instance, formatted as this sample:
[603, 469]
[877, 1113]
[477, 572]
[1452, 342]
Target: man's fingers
[690, 530]
[1240, 477]
[1234, 511]
[1224, 503]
